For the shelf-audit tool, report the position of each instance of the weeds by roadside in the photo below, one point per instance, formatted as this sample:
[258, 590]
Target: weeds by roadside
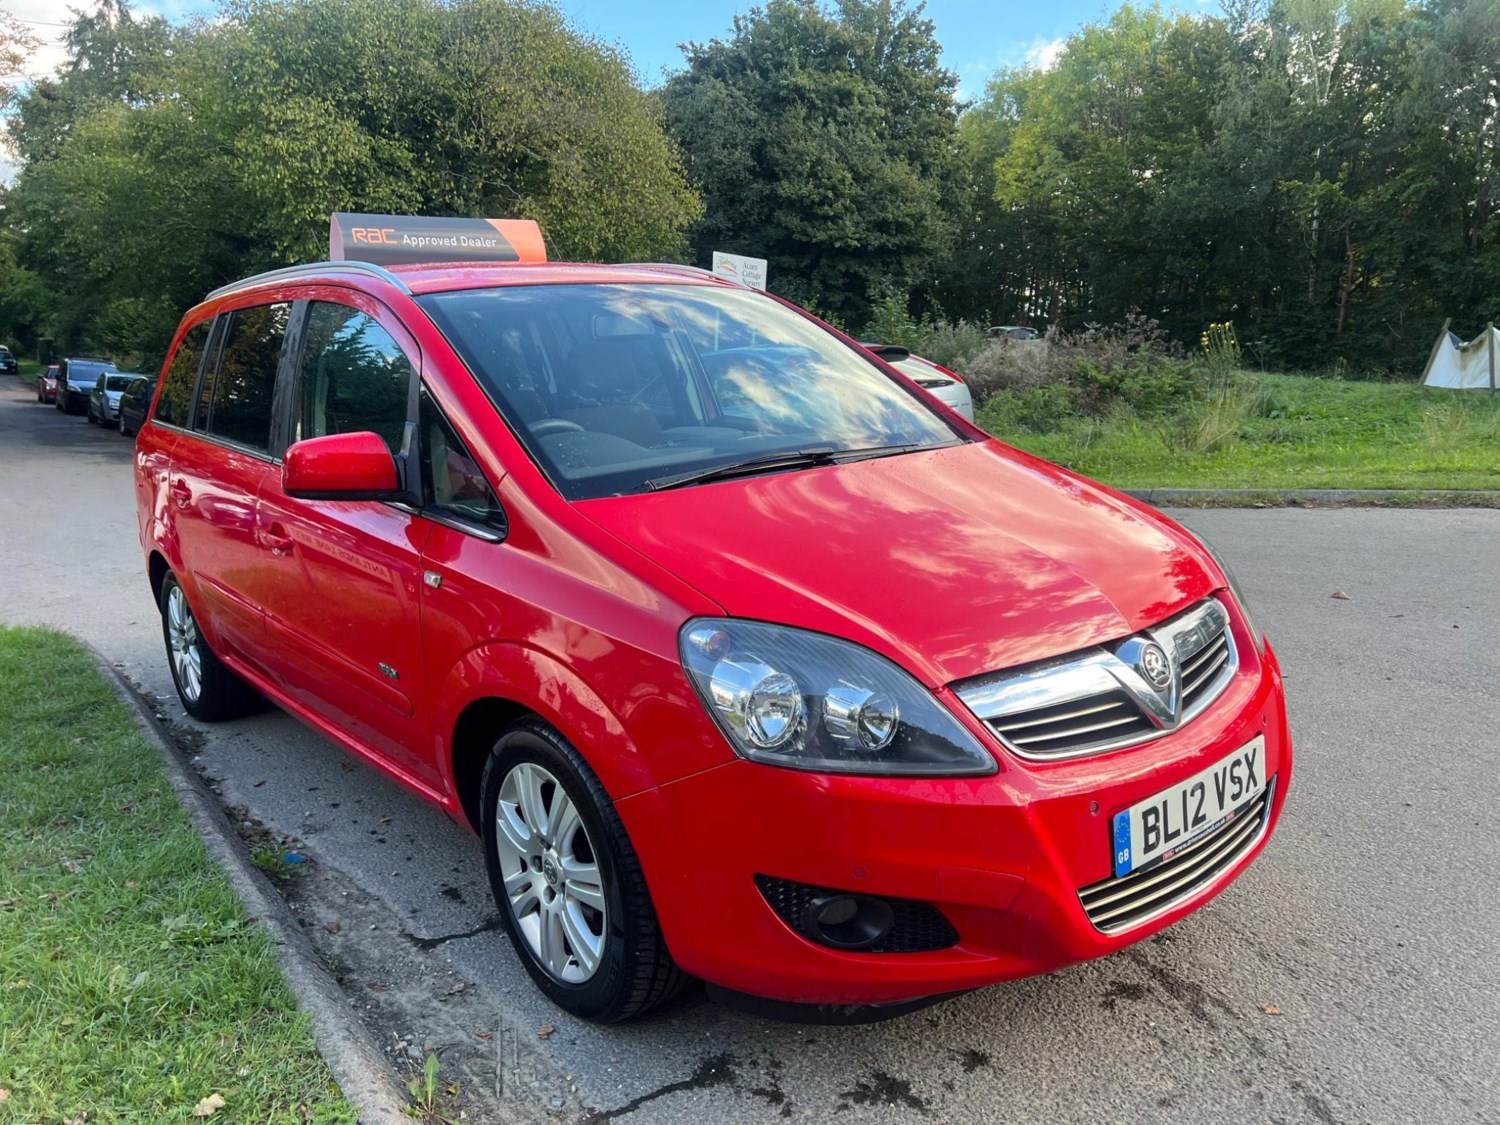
[431, 1099]
[132, 987]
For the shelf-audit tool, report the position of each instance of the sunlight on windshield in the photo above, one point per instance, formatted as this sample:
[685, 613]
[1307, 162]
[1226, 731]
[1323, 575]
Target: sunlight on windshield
[609, 386]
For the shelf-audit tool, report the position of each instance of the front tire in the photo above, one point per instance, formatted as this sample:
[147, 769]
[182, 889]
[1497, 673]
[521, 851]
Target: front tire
[209, 691]
[567, 881]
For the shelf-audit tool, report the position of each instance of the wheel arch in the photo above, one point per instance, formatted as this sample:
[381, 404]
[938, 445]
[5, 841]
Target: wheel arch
[474, 733]
[498, 683]
[157, 571]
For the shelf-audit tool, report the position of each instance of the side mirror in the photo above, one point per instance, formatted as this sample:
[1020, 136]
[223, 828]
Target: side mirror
[341, 467]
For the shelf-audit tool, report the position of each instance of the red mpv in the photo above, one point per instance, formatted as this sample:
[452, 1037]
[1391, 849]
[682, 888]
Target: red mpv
[748, 659]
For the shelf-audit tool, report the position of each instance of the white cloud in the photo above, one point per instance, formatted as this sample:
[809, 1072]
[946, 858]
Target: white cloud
[1043, 54]
[47, 20]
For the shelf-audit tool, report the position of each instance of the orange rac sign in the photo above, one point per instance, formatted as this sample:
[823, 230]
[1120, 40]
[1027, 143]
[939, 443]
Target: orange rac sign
[392, 240]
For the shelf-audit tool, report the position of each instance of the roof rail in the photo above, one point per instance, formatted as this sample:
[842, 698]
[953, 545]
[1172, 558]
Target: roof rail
[674, 267]
[292, 273]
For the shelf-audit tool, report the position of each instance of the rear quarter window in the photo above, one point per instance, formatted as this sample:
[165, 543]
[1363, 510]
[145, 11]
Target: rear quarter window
[240, 407]
[176, 399]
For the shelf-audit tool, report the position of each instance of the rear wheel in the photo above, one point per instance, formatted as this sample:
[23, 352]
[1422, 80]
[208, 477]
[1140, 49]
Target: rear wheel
[208, 690]
[568, 882]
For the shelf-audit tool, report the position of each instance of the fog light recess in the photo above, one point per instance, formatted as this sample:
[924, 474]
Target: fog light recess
[847, 921]
[857, 922]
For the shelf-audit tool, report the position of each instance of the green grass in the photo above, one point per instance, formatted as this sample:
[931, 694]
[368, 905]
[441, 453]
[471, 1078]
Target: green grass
[29, 369]
[132, 985]
[1272, 432]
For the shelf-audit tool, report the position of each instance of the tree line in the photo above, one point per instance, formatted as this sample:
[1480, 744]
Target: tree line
[1320, 173]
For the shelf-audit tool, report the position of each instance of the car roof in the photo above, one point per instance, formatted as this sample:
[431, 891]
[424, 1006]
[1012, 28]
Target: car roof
[439, 277]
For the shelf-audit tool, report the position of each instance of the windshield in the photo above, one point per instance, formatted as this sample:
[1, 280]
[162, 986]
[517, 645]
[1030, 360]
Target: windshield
[118, 382]
[613, 386]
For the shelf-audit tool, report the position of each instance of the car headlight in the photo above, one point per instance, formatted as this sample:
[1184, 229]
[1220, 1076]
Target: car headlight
[1234, 588]
[788, 697]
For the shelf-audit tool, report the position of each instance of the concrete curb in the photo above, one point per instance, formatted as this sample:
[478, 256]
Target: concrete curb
[1315, 497]
[355, 1060]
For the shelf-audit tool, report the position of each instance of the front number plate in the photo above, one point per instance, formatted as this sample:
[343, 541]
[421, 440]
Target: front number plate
[1158, 826]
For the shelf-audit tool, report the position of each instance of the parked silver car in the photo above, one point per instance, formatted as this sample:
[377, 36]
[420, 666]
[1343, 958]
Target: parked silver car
[947, 386]
[104, 401]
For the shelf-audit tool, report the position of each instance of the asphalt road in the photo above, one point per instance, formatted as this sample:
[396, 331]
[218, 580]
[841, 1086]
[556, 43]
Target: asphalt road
[1352, 975]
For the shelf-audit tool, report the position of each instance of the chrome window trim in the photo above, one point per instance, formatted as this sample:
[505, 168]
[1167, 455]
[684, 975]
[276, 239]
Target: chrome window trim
[1100, 670]
[446, 518]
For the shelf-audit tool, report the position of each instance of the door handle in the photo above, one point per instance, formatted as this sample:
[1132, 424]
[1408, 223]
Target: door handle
[275, 539]
[181, 493]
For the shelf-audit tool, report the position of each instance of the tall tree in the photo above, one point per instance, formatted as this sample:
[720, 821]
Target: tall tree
[17, 42]
[822, 140]
[251, 130]
[1322, 172]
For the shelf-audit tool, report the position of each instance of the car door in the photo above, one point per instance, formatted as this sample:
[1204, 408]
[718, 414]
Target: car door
[342, 613]
[217, 473]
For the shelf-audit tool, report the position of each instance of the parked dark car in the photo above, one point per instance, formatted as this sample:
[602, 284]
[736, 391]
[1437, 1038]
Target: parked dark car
[104, 402]
[134, 403]
[8, 364]
[75, 382]
[46, 385]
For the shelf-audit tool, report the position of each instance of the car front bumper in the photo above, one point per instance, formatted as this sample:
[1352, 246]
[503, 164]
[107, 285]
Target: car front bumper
[1003, 858]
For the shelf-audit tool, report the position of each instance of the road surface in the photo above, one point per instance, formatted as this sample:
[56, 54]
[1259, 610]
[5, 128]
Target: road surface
[1352, 975]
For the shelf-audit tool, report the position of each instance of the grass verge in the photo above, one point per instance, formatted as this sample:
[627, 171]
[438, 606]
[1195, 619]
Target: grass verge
[1270, 432]
[132, 986]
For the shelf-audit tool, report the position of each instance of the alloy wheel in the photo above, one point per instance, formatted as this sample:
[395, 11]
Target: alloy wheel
[185, 644]
[553, 882]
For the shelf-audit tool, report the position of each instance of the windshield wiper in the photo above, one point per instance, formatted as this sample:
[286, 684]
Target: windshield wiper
[787, 459]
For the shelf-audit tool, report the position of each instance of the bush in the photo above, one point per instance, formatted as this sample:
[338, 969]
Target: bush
[1131, 364]
[1011, 365]
[951, 343]
[947, 342]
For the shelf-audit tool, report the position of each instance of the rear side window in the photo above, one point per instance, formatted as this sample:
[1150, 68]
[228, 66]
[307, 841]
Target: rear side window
[176, 398]
[240, 408]
[354, 377]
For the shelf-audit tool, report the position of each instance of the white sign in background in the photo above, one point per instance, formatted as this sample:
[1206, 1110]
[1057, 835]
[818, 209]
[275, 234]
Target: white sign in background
[736, 267]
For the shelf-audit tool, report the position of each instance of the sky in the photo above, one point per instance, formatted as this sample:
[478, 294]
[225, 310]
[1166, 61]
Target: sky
[978, 36]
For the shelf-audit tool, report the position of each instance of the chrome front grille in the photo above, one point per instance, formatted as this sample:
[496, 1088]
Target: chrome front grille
[1101, 699]
[1102, 718]
[1201, 670]
[1118, 903]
